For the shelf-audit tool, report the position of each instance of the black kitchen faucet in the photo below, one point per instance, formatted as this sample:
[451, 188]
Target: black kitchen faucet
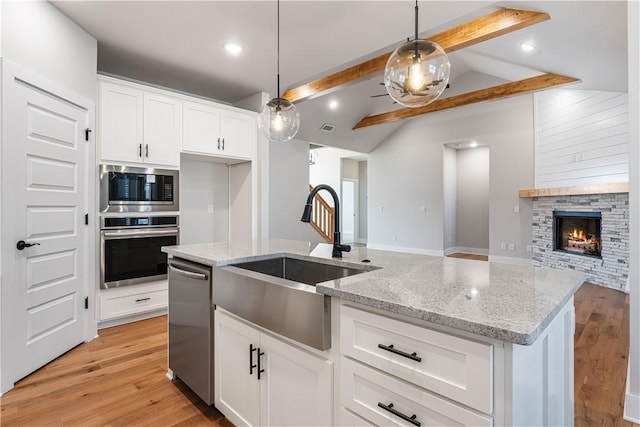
[338, 248]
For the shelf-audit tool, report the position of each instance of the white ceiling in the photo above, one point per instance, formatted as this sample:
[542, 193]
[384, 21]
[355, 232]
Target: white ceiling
[179, 44]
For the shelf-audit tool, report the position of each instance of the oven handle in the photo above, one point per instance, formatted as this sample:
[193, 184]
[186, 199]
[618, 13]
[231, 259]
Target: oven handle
[190, 274]
[112, 235]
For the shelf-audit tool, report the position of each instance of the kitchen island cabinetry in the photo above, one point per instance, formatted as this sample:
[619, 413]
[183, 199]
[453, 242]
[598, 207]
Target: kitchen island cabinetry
[216, 131]
[263, 380]
[422, 340]
[137, 125]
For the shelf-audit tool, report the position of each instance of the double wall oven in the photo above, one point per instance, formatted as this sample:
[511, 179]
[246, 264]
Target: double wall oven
[136, 222]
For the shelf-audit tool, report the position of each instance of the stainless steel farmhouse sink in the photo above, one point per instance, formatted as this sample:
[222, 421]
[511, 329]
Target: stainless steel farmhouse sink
[300, 270]
[279, 294]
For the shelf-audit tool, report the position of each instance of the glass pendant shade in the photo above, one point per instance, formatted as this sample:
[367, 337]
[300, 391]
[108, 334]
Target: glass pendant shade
[417, 73]
[279, 120]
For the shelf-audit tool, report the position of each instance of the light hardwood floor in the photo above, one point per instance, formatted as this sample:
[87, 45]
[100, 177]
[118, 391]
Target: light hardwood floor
[469, 256]
[119, 379]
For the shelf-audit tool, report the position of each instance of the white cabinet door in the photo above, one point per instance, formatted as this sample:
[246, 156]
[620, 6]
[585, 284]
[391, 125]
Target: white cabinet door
[120, 123]
[238, 132]
[237, 391]
[201, 131]
[162, 130]
[296, 386]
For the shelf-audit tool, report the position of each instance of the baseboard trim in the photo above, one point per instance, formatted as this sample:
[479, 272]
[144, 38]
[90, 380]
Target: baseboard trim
[128, 319]
[527, 262]
[362, 241]
[405, 249]
[631, 402]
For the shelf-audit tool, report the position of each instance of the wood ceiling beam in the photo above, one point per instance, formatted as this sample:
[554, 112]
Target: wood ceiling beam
[495, 24]
[506, 90]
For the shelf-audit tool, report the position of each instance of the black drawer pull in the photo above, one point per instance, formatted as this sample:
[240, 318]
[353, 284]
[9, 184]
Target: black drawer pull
[260, 370]
[389, 408]
[251, 364]
[143, 299]
[390, 348]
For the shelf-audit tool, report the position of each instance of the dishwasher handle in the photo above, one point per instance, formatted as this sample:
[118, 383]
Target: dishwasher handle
[190, 274]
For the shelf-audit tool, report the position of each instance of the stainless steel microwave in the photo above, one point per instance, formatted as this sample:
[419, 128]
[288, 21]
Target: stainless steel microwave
[131, 189]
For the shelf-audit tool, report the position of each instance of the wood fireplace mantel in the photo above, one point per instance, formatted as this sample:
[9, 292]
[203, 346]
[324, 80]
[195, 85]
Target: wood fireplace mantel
[616, 187]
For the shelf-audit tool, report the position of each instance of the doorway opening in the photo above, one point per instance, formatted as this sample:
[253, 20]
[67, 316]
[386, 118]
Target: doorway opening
[466, 200]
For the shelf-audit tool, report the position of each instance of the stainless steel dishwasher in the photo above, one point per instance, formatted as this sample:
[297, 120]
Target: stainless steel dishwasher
[191, 326]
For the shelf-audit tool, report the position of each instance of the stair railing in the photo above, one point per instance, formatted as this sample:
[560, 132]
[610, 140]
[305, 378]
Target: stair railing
[322, 217]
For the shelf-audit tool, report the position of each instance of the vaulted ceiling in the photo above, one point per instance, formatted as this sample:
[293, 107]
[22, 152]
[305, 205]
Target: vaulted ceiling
[179, 44]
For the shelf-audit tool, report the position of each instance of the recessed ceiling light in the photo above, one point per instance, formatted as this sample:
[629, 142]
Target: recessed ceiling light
[333, 104]
[473, 144]
[527, 47]
[233, 48]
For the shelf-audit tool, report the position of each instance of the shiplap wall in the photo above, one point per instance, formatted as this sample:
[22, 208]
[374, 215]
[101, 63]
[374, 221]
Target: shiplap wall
[581, 137]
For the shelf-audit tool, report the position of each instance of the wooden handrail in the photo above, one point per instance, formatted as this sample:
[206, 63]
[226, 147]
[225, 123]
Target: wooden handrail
[322, 218]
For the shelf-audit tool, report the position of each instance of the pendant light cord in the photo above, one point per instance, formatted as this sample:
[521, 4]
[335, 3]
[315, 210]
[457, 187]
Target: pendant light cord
[279, 48]
[416, 19]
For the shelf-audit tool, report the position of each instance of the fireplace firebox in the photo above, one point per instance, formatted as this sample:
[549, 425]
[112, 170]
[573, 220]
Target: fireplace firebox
[577, 232]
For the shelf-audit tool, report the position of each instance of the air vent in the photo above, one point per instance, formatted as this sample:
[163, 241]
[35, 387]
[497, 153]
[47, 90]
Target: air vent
[327, 127]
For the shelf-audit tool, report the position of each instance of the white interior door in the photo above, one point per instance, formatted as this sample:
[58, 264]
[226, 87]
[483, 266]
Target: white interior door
[348, 205]
[44, 199]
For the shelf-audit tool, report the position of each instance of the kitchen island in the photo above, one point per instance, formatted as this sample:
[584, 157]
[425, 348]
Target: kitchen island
[435, 339]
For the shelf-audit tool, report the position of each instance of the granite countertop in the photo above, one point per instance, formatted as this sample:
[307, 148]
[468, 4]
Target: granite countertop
[507, 302]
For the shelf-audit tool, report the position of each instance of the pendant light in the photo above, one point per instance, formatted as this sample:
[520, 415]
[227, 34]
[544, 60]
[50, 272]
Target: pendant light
[417, 72]
[279, 119]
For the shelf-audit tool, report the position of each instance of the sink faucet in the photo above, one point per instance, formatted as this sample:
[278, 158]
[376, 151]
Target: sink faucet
[306, 217]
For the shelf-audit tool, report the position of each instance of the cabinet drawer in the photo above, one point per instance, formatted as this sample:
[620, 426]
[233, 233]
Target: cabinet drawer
[364, 390]
[120, 305]
[453, 367]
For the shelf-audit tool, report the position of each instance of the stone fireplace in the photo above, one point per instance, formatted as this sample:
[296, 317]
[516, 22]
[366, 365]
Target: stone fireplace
[588, 233]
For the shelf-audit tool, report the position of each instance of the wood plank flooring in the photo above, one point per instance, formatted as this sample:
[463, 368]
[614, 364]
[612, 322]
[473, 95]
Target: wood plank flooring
[119, 378]
[469, 256]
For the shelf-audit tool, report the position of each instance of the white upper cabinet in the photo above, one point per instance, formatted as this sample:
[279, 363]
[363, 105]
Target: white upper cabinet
[218, 131]
[120, 122]
[162, 130]
[138, 126]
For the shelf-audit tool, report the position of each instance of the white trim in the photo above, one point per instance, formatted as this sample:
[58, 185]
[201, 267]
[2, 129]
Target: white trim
[134, 318]
[362, 241]
[466, 250]
[527, 262]
[631, 402]
[409, 250]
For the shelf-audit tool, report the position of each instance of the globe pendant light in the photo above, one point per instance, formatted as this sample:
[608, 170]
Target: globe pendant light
[417, 72]
[279, 120]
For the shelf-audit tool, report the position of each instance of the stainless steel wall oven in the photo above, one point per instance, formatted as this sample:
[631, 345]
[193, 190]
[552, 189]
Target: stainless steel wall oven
[130, 189]
[130, 249]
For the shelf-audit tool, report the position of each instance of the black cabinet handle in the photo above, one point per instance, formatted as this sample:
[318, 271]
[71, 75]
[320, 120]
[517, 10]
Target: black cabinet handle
[146, 150]
[22, 244]
[218, 143]
[139, 150]
[251, 364]
[222, 144]
[143, 299]
[390, 348]
[260, 370]
[411, 419]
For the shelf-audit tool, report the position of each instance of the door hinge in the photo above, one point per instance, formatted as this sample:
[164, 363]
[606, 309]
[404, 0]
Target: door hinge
[87, 131]
[86, 219]
[86, 303]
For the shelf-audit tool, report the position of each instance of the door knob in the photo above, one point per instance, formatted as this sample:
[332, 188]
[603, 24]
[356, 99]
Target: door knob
[22, 244]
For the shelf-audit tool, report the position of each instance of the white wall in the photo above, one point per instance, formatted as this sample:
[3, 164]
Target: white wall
[328, 169]
[406, 172]
[38, 36]
[581, 137]
[363, 202]
[472, 200]
[240, 203]
[289, 188]
[632, 401]
[449, 178]
[202, 184]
